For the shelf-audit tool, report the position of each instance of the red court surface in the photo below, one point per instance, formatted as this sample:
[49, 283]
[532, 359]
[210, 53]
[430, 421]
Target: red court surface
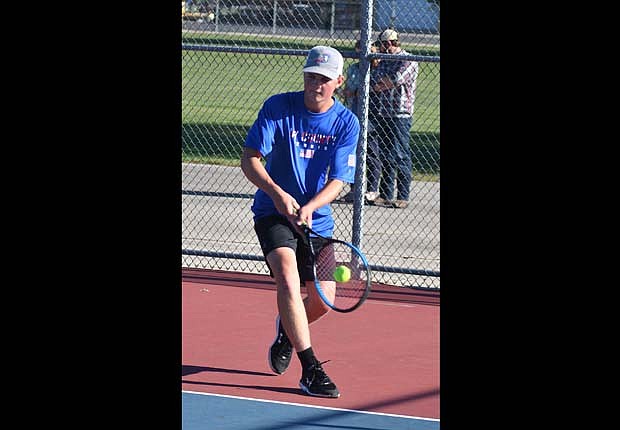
[384, 357]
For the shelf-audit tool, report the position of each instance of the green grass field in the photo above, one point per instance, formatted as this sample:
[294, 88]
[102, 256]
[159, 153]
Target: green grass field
[222, 93]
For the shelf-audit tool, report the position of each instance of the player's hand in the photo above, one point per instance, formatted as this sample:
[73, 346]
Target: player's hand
[286, 205]
[298, 220]
[304, 217]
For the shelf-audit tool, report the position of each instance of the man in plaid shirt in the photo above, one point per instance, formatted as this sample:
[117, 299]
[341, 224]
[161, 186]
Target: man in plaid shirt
[394, 83]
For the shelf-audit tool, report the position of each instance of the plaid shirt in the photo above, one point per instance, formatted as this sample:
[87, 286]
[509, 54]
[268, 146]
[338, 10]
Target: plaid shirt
[398, 101]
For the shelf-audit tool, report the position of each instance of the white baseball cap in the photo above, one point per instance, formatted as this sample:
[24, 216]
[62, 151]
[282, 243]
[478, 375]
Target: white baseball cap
[388, 34]
[325, 61]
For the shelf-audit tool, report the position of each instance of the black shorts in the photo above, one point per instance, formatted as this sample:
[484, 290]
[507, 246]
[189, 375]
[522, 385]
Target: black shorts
[275, 231]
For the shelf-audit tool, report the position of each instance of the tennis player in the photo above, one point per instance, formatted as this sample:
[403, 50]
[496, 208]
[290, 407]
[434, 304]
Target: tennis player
[308, 140]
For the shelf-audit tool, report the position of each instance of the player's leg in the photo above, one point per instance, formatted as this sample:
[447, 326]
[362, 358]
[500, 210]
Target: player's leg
[314, 381]
[314, 305]
[283, 263]
[279, 246]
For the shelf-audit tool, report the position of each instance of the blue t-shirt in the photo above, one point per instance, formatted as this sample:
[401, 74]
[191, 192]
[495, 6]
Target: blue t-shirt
[303, 150]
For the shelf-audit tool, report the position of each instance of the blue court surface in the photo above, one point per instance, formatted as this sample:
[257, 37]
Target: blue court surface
[221, 412]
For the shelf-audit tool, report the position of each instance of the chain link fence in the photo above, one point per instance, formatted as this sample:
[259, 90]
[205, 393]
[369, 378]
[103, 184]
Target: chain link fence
[235, 55]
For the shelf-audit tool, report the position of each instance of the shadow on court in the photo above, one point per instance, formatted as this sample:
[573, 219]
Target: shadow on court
[287, 390]
[188, 370]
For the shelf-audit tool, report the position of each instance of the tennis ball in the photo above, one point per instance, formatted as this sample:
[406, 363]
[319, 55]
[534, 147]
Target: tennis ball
[342, 274]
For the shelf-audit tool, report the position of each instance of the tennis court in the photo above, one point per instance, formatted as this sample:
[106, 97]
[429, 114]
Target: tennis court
[384, 357]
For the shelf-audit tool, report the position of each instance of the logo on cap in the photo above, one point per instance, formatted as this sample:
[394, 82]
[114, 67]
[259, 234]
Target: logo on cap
[322, 58]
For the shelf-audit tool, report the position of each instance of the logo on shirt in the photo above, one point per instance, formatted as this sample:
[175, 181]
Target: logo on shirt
[309, 143]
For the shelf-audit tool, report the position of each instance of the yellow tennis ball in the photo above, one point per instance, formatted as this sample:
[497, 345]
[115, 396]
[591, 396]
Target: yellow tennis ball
[342, 274]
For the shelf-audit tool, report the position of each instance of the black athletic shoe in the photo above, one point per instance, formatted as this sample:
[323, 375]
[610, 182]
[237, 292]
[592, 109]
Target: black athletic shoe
[281, 350]
[314, 381]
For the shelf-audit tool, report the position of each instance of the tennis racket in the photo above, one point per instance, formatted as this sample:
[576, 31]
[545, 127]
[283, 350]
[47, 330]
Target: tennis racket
[344, 295]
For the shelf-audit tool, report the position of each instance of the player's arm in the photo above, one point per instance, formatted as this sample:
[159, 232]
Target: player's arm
[256, 173]
[330, 191]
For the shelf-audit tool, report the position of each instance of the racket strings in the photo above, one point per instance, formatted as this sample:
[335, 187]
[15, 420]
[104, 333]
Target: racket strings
[345, 294]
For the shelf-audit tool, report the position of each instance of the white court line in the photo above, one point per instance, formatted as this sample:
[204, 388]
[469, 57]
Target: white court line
[311, 406]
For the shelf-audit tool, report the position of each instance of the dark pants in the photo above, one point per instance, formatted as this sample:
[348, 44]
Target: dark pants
[274, 231]
[373, 162]
[395, 157]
